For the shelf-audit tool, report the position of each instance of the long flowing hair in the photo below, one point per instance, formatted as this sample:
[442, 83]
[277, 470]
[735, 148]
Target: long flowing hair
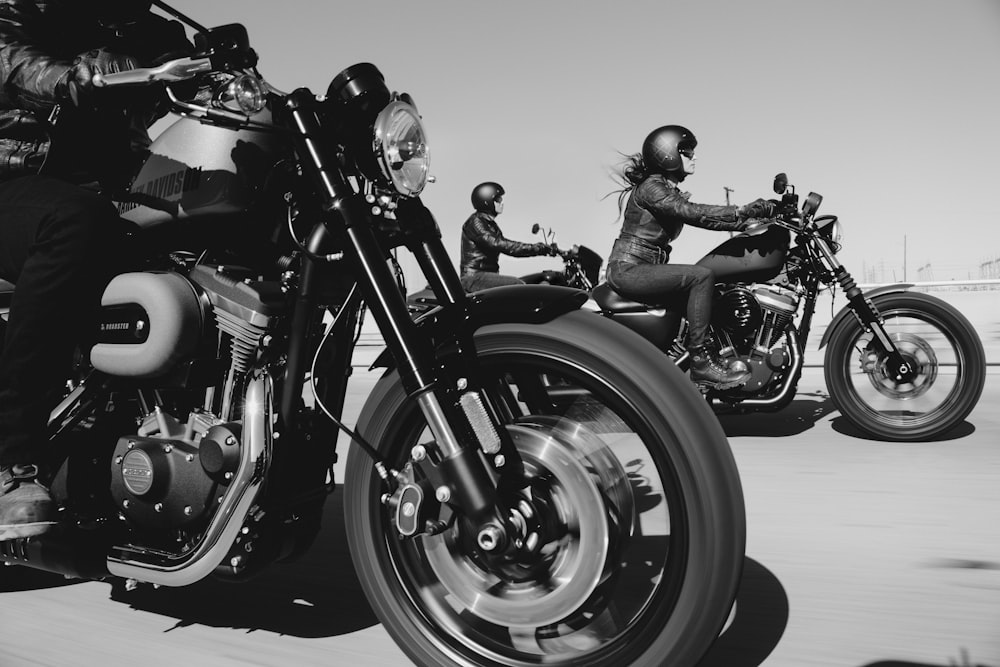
[631, 173]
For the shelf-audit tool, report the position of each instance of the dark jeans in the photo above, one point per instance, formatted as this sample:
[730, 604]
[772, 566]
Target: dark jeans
[652, 283]
[473, 282]
[58, 243]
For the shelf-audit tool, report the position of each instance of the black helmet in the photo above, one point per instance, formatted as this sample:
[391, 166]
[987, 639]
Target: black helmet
[485, 195]
[662, 147]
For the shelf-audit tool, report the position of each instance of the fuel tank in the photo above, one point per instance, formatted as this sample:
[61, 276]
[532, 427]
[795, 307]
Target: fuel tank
[199, 170]
[754, 257]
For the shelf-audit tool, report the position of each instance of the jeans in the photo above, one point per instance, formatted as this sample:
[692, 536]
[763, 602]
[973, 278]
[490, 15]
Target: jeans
[477, 280]
[58, 243]
[650, 283]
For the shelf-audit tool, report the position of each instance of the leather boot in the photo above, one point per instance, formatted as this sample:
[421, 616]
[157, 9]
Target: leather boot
[709, 371]
[26, 508]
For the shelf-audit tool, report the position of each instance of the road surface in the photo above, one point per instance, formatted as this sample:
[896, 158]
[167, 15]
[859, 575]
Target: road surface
[859, 554]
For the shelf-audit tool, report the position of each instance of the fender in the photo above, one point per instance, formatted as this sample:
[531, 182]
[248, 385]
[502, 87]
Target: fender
[845, 312]
[524, 304]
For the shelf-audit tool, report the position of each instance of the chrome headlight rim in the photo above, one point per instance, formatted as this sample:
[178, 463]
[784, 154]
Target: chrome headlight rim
[242, 93]
[409, 176]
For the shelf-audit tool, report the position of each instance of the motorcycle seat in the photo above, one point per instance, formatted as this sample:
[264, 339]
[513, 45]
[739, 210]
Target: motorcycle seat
[610, 300]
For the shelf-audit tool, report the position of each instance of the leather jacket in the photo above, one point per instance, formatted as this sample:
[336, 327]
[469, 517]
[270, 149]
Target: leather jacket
[655, 215]
[39, 44]
[482, 244]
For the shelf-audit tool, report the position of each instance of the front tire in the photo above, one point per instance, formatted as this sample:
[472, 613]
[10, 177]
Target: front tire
[936, 339]
[629, 460]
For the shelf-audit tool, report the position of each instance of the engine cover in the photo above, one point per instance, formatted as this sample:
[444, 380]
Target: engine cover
[149, 321]
[165, 484]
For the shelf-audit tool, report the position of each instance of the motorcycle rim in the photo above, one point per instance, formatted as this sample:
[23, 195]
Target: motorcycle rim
[935, 340]
[621, 556]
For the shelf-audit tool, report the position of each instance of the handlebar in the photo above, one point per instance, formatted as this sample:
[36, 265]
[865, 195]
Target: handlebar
[180, 69]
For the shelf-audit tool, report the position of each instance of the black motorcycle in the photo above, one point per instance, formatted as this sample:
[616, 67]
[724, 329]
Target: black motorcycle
[900, 365]
[581, 265]
[518, 489]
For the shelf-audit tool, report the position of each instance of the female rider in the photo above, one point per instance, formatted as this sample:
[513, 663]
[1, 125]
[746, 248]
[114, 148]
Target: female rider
[654, 216]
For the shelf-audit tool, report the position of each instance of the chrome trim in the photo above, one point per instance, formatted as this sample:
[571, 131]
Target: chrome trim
[447, 443]
[791, 378]
[183, 569]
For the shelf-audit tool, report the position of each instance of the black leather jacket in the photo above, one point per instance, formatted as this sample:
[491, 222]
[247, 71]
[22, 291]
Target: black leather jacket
[39, 41]
[482, 244]
[656, 214]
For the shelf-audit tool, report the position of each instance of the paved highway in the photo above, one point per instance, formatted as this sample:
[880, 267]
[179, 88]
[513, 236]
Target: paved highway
[859, 554]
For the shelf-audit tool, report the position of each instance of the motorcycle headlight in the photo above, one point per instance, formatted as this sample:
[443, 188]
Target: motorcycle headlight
[401, 148]
[244, 93]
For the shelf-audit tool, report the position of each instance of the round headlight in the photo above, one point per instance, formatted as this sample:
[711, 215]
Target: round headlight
[401, 148]
[244, 93]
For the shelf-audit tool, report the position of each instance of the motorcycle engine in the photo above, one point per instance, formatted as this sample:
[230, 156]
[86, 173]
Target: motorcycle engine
[750, 320]
[168, 478]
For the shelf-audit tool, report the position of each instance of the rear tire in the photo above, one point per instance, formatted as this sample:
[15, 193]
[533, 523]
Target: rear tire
[672, 573]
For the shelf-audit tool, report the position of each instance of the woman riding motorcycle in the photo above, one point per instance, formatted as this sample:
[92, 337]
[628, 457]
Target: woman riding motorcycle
[654, 217]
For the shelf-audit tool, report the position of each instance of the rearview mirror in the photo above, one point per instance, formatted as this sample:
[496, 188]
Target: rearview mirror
[780, 183]
[535, 228]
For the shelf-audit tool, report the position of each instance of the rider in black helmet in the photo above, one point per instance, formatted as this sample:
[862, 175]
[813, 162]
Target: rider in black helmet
[482, 242]
[654, 215]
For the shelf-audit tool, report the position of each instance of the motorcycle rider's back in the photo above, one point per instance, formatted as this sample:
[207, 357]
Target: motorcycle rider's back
[60, 240]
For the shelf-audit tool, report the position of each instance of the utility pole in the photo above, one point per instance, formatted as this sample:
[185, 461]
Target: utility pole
[728, 190]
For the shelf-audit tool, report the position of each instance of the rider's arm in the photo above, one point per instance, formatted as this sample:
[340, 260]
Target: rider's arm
[32, 76]
[486, 235]
[667, 202]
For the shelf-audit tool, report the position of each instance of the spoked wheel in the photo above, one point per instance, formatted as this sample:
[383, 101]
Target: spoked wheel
[629, 515]
[939, 345]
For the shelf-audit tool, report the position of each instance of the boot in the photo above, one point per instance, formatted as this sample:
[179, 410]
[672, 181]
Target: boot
[26, 508]
[709, 372]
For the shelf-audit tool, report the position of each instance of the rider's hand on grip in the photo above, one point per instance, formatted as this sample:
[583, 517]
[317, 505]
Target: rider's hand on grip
[758, 208]
[86, 66]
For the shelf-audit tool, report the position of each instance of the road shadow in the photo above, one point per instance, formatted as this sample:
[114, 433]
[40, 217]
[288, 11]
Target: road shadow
[843, 426]
[15, 578]
[799, 416]
[963, 661]
[759, 623]
[317, 595]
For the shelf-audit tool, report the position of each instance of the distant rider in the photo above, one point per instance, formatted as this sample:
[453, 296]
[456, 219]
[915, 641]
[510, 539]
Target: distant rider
[654, 216]
[483, 243]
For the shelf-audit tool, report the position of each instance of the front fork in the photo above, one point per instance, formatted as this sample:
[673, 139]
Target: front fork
[868, 316]
[464, 477]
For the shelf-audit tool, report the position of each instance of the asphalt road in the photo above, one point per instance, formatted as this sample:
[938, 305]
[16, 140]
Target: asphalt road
[859, 554]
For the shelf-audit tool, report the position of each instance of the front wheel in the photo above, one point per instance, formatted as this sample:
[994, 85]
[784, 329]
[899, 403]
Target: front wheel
[936, 340]
[629, 495]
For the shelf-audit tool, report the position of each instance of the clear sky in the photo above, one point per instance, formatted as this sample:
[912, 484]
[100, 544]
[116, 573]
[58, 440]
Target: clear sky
[888, 108]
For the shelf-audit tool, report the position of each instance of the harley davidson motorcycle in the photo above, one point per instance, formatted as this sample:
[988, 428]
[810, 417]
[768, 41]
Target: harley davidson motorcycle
[527, 483]
[581, 265]
[900, 365]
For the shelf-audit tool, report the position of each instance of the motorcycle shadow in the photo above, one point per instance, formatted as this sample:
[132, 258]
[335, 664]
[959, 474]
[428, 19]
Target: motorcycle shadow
[844, 427]
[317, 595]
[797, 417]
[758, 625]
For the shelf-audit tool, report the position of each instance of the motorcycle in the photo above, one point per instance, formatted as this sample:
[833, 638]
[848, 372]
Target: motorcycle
[493, 518]
[900, 365]
[581, 265]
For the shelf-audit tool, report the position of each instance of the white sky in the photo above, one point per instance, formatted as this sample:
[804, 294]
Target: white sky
[889, 108]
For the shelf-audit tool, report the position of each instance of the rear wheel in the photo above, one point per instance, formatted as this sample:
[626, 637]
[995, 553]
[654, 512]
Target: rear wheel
[936, 340]
[630, 503]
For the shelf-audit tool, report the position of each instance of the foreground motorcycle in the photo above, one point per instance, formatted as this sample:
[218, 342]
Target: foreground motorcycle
[900, 365]
[528, 483]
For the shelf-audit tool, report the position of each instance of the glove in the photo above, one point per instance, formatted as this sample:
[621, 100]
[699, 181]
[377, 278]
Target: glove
[86, 65]
[758, 208]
